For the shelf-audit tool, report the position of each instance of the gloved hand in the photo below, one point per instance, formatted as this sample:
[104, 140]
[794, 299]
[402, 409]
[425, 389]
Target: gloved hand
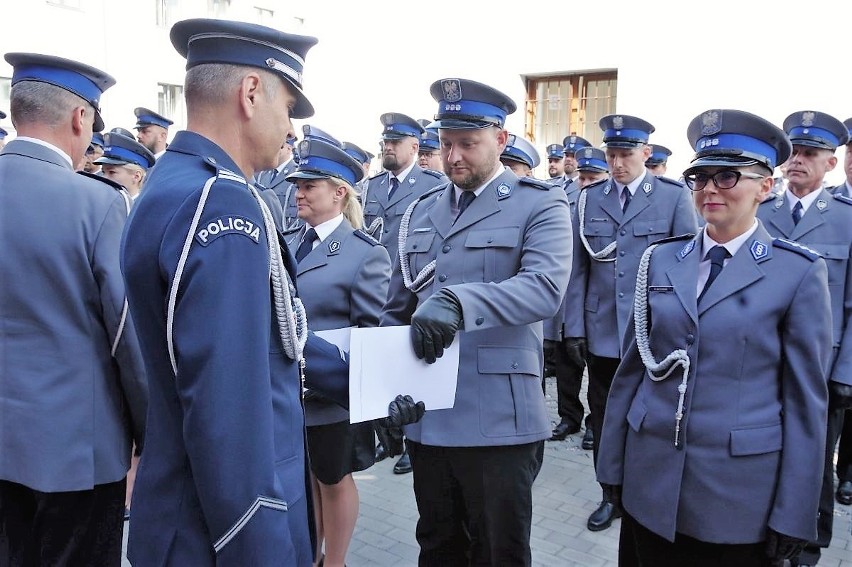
[403, 410]
[434, 324]
[839, 395]
[780, 547]
[576, 347]
[612, 493]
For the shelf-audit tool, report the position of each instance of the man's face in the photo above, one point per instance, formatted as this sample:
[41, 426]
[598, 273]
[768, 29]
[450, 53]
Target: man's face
[657, 169]
[93, 153]
[627, 164]
[430, 159]
[587, 177]
[150, 136]
[520, 169]
[807, 167]
[556, 166]
[399, 154]
[569, 164]
[847, 163]
[472, 156]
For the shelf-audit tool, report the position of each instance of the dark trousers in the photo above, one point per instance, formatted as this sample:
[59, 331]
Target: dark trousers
[568, 364]
[76, 529]
[475, 503]
[844, 449]
[601, 371]
[638, 545]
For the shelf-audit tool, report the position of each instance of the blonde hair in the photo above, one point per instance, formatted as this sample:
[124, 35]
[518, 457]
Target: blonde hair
[352, 210]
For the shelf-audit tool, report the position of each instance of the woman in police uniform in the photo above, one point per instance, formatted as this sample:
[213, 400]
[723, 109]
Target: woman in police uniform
[715, 423]
[343, 277]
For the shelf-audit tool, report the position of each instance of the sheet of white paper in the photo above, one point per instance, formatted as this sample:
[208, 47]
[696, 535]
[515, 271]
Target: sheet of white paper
[382, 365]
[337, 337]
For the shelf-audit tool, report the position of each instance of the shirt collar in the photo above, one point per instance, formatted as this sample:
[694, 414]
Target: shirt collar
[404, 173]
[324, 229]
[807, 200]
[481, 188]
[632, 186]
[732, 246]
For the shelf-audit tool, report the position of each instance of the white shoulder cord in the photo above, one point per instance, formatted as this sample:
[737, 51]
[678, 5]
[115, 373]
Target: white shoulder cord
[127, 205]
[609, 249]
[676, 358]
[376, 227]
[427, 274]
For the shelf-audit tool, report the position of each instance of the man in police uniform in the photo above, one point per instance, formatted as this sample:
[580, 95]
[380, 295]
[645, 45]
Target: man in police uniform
[556, 164]
[152, 130]
[658, 160]
[520, 156]
[429, 153]
[591, 166]
[570, 146]
[275, 179]
[810, 215]
[614, 222]
[73, 390]
[488, 254]
[93, 152]
[126, 162]
[224, 479]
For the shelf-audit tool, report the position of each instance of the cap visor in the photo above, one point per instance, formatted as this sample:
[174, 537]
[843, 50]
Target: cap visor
[623, 144]
[719, 161]
[812, 144]
[303, 107]
[452, 124]
[110, 161]
[98, 125]
[307, 175]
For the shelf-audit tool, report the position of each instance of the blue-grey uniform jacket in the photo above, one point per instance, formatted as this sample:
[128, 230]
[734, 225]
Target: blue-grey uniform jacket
[507, 261]
[223, 478]
[826, 228]
[753, 430]
[343, 282]
[73, 392]
[600, 294]
[553, 327]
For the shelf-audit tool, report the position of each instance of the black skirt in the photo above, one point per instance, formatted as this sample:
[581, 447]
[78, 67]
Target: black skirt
[338, 449]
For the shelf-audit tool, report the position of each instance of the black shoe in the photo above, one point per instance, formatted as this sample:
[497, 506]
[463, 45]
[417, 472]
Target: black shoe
[602, 518]
[844, 492]
[588, 440]
[563, 430]
[403, 465]
[381, 454]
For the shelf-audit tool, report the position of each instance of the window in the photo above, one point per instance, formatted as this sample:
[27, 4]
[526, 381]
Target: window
[216, 8]
[562, 105]
[166, 12]
[264, 15]
[170, 103]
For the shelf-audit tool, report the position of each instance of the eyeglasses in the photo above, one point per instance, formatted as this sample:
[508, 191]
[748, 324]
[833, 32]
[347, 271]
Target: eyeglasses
[725, 179]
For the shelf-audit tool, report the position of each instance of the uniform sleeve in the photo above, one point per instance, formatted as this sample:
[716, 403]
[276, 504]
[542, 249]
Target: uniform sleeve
[574, 314]
[806, 341]
[685, 218]
[401, 301]
[271, 199]
[327, 370]
[116, 317]
[842, 371]
[369, 289]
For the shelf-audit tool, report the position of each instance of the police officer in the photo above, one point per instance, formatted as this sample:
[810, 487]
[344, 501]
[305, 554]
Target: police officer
[126, 162]
[343, 275]
[720, 399]
[275, 180]
[657, 162]
[152, 130]
[570, 146]
[555, 163]
[93, 152]
[489, 254]
[73, 393]
[223, 335]
[810, 215]
[591, 166]
[429, 153]
[615, 221]
[520, 156]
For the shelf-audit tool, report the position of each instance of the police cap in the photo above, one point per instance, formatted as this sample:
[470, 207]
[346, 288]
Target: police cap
[2, 115]
[468, 105]
[816, 129]
[321, 160]
[571, 144]
[848, 124]
[519, 149]
[362, 156]
[313, 133]
[121, 150]
[734, 138]
[659, 155]
[591, 159]
[146, 117]
[122, 131]
[203, 40]
[84, 81]
[554, 151]
[623, 131]
[97, 140]
[397, 126]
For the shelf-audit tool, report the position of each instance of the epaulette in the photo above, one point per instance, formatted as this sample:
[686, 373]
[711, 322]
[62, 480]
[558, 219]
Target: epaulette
[434, 173]
[436, 189]
[687, 236]
[670, 181]
[596, 184]
[360, 233]
[537, 183]
[771, 198]
[102, 179]
[843, 198]
[379, 174]
[811, 255]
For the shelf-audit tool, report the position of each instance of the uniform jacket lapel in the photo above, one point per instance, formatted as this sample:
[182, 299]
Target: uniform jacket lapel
[484, 205]
[406, 186]
[640, 200]
[684, 277]
[813, 216]
[782, 218]
[441, 212]
[741, 271]
[610, 203]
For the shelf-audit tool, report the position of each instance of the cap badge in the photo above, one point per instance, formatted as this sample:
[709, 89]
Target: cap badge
[452, 90]
[758, 250]
[808, 118]
[646, 188]
[334, 246]
[273, 63]
[618, 122]
[711, 123]
[684, 252]
[303, 147]
[821, 204]
[588, 153]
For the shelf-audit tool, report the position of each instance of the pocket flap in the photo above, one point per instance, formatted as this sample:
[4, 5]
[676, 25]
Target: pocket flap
[419, 242]
[604, 228]
[497, 237]
[646, 227]
[756, 440]
[636, 415]
[831, 251]
[508, 360]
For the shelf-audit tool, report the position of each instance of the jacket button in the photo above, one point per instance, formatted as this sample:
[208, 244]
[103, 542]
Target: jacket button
[514, 366]
[414, 247]
[690, 338]
[621, 274]
[620, 294]
[442, 278]
[480, 320]
[446, 248]
[622, 253]
[623, 232]
[490, 240]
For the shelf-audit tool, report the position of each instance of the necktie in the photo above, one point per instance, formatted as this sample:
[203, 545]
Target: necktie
[465, 199]
[627, 196]
[717, 256]
[307, 244]
[797, 212]
[393, 188]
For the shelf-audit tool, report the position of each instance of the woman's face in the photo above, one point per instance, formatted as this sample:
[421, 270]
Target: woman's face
[319, 200]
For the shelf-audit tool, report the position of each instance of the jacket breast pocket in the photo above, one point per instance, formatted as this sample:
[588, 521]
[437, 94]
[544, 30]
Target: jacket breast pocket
[652, 230]
[372, 209]
[756, 440]
[836, 256]
[491, 254]
[510, 390]
[417, 248]
[598, 233]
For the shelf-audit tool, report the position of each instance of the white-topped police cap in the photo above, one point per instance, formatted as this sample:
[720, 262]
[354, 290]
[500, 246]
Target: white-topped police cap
[429, 139]
[570, 144]
[735, 138]
[83, 80]
[659, 155]
[203, 40]
[519, 149]
[122, 150]
[313, 133]
[147, 117]
[815, 129]
[623, 131]
[469, 105]
[362, 156]
[396, 126]
[554, 151]
[321, 160]
[591, 159]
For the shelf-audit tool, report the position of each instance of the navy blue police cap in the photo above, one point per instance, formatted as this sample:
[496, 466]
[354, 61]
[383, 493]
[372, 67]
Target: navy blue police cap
[122, 131]
[83, 80]
[146, 117]
[519, 149]
[623, 131]
[121, 150]
[3, 133]
[203, 40]
[429, 139]
[848, 124]
[468, 105]
[591, 159]
[735, 138]
[313, 133]
[360, 155]
[2, 115]
[571, 144]
[815, 129]
[321, 160]
[97, 140]
[659, 155]
[554, 151]
[396, 126]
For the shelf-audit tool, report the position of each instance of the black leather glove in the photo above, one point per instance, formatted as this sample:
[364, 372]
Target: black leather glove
[612, 493]
[434, 324]
[839, 395]
[576, 347]
[403, 410]
[780, 547]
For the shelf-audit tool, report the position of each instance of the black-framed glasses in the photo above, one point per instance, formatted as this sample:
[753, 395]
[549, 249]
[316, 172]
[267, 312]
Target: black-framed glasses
[725, 179]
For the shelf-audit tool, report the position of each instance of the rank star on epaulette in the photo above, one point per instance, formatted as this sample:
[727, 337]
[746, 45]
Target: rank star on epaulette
[684, 252]
[758, 250]
[503, 191]
[334, 246]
